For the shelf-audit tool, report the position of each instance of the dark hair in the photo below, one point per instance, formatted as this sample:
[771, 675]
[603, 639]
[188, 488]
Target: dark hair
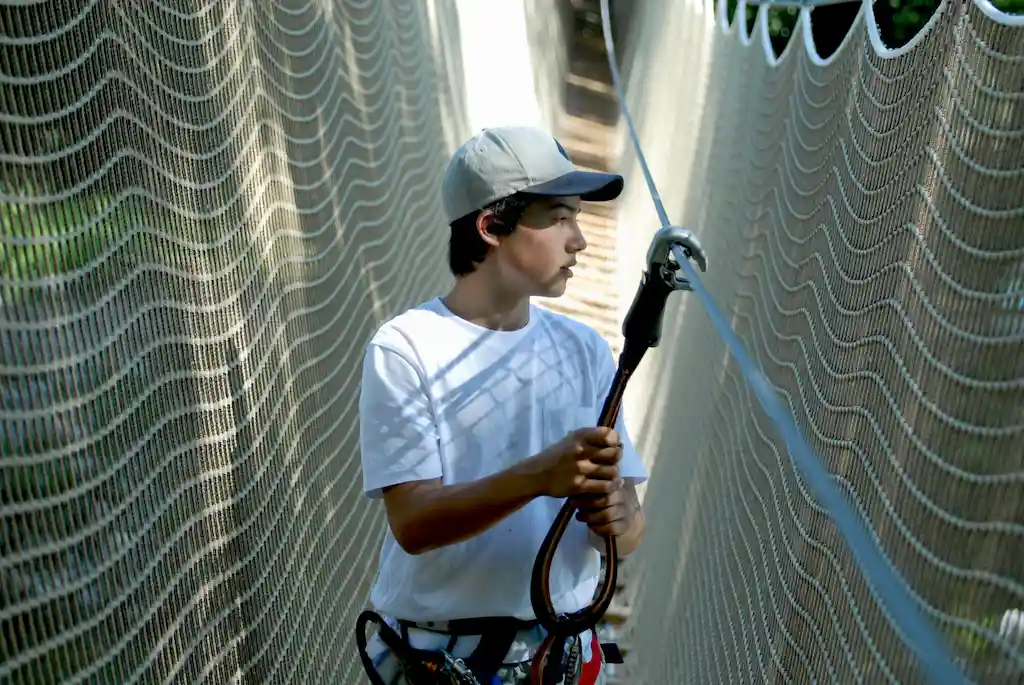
[465, 247]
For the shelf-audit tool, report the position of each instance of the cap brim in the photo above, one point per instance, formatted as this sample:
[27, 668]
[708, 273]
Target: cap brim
[591, 186]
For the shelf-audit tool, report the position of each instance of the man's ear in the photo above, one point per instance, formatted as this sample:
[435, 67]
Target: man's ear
[485, 223]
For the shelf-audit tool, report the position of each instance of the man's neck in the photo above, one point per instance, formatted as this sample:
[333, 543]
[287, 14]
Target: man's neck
[476, 300]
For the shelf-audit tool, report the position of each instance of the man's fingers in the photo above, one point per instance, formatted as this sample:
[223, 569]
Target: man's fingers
[605, 455]
[607, 530]
[600, 436]
[599, 517]
[599, 471]
[590, 502]
[593, 486]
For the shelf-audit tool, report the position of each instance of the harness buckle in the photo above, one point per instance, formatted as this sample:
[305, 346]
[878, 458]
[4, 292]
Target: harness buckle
[458, 669]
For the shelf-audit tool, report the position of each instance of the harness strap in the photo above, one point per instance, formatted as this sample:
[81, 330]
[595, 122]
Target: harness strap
[417, 670]
[554, 660]
[471, 626]
[489, 655]
[497, 633]
[548, 664]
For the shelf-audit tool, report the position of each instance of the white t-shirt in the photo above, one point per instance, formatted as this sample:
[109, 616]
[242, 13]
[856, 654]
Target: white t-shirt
[444, 398]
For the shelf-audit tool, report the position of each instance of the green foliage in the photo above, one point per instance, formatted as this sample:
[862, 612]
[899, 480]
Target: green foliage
[908, 17]
[57, 238]
[1010, 6]
[899, 20]
[781, 21]
[904, 18]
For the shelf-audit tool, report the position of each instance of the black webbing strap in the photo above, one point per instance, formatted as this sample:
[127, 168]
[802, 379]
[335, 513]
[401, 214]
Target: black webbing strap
[496, 637]
[554, 668]
[420, 667]
[489, 655]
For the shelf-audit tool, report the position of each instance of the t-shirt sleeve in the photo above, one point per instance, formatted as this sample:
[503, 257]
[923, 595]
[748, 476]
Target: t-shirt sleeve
[398, 436]
[631, 466]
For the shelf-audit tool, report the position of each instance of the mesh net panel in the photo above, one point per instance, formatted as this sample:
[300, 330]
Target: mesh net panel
[864, 219]
[207, 208]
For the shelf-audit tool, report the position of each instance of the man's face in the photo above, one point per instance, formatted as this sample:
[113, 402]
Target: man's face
[536, 258]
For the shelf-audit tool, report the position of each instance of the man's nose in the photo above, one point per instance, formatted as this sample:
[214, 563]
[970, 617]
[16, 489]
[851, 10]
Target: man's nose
[578, 243]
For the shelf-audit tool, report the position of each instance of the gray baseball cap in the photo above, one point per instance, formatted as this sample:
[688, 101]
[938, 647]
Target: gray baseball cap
[502, 161]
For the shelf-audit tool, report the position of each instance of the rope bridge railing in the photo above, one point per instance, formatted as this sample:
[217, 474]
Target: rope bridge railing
[206, 209]
[838, 495]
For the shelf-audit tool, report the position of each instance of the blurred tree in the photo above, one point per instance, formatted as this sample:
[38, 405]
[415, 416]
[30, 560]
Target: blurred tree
[898, 20]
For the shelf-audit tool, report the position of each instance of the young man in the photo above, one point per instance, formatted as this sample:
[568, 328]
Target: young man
[478, 414]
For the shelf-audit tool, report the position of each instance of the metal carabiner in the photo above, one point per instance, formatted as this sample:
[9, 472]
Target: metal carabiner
[459, 670]
[641, 327]
[661, 260]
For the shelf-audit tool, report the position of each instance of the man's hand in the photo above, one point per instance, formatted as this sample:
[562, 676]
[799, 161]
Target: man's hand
[606, 515]
[618, 513]
[584, 462]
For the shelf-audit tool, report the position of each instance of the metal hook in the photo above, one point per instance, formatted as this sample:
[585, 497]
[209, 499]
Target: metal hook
[661, 260]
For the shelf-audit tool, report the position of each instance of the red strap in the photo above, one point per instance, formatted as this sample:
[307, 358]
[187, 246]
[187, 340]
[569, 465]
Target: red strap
[589, 672]
[592, 669]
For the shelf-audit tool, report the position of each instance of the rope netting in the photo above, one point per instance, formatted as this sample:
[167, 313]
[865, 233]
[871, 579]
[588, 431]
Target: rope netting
[208, 207]
[864, 221]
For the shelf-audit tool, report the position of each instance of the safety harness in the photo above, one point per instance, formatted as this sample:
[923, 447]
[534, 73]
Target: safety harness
[428, 667]
[559, 652]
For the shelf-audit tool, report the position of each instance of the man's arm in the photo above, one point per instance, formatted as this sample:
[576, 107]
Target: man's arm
[426, 515]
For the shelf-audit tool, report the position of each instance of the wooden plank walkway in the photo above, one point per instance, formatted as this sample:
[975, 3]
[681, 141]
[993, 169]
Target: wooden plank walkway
[587, 130]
